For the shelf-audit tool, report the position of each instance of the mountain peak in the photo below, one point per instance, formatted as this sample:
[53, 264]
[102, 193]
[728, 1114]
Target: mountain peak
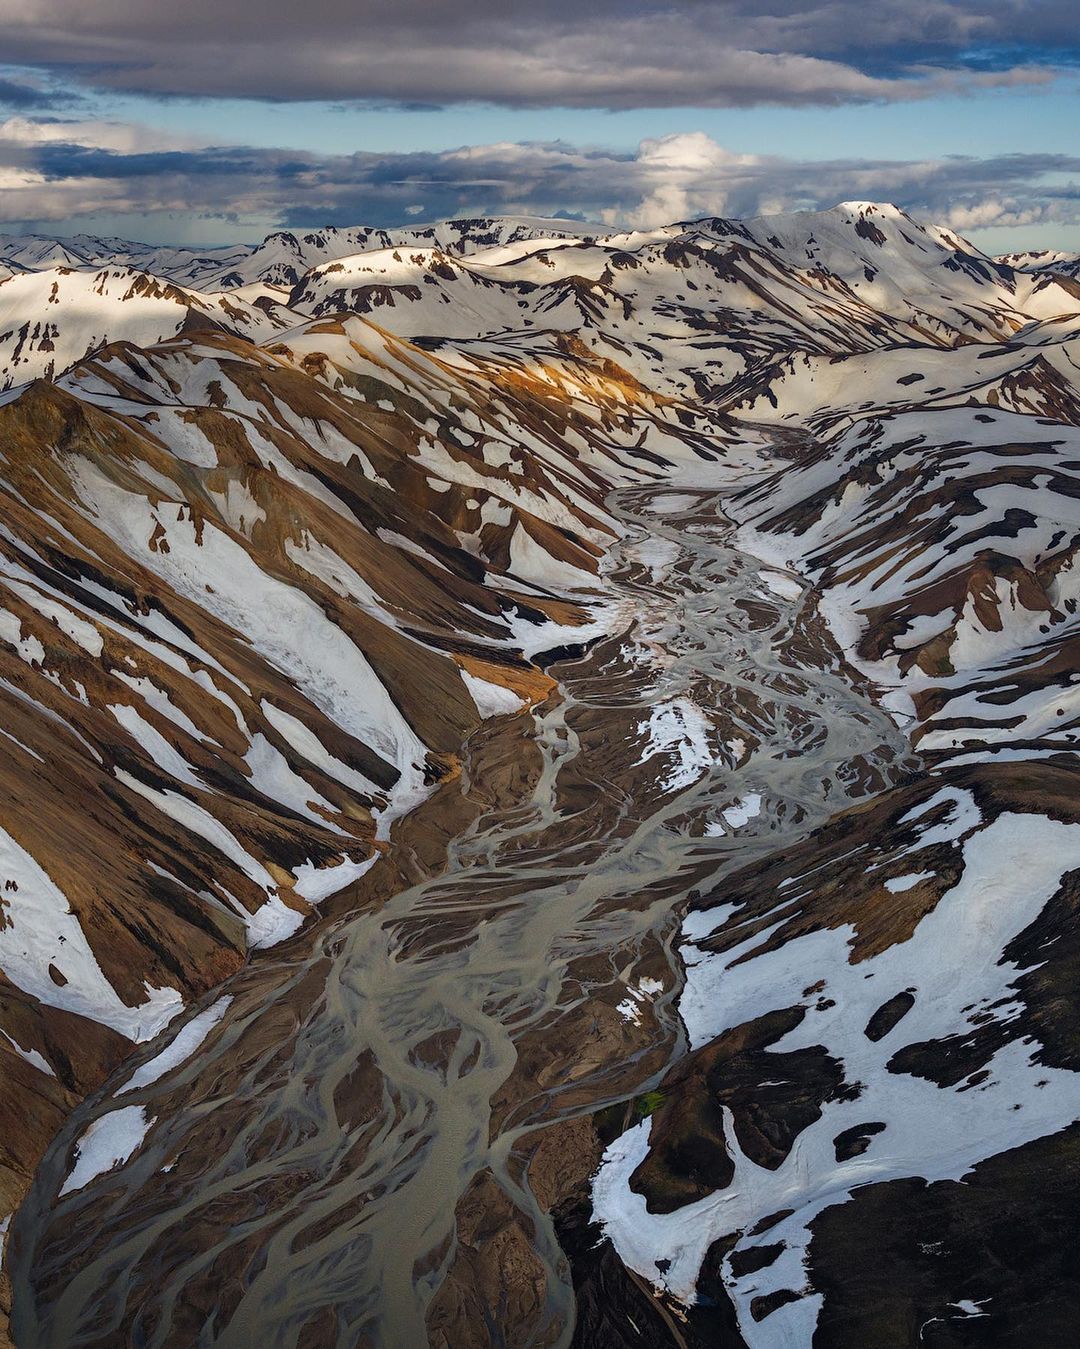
[886, 208]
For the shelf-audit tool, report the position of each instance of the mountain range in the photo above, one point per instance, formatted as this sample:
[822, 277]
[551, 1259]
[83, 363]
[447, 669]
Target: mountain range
[539, 780]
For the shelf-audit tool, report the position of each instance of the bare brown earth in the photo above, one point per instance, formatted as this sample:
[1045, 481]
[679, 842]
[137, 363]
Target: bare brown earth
[388, 1136]
[1004, 1236]
[495, 1289]
[159, 904]
[566, 826]
[502, 770]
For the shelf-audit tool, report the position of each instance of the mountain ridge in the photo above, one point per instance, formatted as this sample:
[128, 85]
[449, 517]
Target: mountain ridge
[754, 540]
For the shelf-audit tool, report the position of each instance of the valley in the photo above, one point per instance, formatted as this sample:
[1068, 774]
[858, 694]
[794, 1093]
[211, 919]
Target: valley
[433, 1040]
[540, 787]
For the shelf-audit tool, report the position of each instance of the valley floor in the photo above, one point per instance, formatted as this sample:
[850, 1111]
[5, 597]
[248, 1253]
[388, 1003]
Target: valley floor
[380, 1115]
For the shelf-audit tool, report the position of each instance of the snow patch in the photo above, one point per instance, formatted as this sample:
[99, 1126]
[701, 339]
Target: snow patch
[106, 1143]
[492, 700]
[183, 1045]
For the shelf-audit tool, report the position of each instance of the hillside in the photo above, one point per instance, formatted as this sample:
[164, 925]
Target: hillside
[540, 785]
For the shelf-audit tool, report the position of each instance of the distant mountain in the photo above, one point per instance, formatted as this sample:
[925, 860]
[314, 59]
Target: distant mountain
[1044, 260]
[856, 278]
[52, 318]
[569, 739]
[36, 252]
[282, 257]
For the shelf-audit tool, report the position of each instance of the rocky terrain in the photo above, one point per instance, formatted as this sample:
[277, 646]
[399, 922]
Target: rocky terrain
[540, 787]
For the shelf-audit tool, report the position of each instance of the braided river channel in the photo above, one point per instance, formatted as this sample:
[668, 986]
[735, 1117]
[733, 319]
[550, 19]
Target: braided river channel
[301, 1173]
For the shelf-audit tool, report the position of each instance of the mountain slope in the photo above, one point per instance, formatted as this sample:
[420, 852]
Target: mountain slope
[1046, 260]
[498, 648]
[50, 319]
[254, 600]
[944, 546]
[280, 259]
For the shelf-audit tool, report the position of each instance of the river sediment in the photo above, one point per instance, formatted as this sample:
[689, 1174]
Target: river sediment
[368, 1146]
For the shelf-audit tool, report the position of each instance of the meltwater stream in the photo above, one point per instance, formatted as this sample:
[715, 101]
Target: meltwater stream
[260, 1209]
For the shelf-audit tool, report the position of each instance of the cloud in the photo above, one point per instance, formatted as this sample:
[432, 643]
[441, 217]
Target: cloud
[54, 171]
[996, 212]
[90, 134]
[26, 95]
[684, 176]
[529, 53]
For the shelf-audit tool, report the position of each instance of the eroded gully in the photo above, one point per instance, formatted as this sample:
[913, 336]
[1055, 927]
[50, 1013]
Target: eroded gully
[299, 1180]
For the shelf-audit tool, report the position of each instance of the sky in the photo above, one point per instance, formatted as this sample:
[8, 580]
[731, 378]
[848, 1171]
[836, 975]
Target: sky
[214, 121]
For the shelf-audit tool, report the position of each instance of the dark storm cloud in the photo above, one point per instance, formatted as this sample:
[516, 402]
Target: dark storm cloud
[608, 53]
[25, 96]
[666, 179]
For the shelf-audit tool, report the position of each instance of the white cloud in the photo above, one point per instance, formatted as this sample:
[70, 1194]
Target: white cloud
[123, 137]
[993, 212]
[109, 168]
[689, 175]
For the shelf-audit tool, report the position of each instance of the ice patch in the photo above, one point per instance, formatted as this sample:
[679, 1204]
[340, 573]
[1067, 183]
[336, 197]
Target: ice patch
[272, 922]
[744, 810]
[678, 730]
[317, 883]
[32, 1056]
[41, 933]
[630, 1007]
[781, 584]
[896, 885]
[963, 816]
[272, 776]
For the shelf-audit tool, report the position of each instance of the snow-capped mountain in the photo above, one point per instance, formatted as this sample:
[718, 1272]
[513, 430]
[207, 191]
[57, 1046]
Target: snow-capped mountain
[857, 278]
[37, 252]
[438, 665]
[1044, 260]
[52, 318]
[281, 259]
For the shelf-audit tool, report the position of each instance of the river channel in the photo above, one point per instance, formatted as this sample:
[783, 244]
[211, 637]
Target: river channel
[714, 724]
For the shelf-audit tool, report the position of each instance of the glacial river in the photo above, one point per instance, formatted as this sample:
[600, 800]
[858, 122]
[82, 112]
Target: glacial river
[257, 1205]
